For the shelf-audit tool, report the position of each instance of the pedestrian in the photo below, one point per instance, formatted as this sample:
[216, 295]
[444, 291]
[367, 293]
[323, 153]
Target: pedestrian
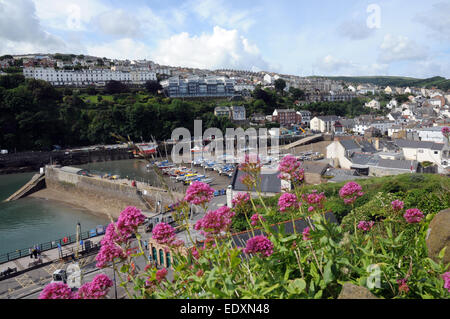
[35, 253]
[31, 253]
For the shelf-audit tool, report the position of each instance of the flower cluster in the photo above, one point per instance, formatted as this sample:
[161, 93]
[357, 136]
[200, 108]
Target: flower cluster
[350, 192]
[397, 205]
[248, 180]
[163, 233]
[259, 244]
[161, 274]
[314, 200]
[240, 199]
[214, 222]
[446, 131]
[56, 290]
[199, 193]
[306, 233]
[255, 219]
[252, 164]
[446, 277]
[291, 170]
[129, 220]
[287, 200]
[96, 289]
[413, 215]
[402, 285]
[366, 226]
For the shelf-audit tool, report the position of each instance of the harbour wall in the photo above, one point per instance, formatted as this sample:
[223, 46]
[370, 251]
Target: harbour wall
[111, 196]
[32, 161]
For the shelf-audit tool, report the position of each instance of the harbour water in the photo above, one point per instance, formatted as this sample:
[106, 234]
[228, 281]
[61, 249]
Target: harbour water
[30, 221]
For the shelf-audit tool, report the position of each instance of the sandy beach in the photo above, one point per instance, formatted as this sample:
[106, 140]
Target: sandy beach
[73, 200]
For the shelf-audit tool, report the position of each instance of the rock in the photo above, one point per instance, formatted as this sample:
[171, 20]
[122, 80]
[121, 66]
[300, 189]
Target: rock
[438, 235]
[351, 291]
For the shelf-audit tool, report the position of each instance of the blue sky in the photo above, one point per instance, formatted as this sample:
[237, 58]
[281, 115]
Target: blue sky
[407, 38]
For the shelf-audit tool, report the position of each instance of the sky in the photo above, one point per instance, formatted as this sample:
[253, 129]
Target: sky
[322, 37]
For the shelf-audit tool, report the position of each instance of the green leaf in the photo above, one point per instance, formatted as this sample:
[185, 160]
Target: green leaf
[442, 253]
[297, 286]
[267, 290]
[328, 274]
[289, 238]
[124, 268]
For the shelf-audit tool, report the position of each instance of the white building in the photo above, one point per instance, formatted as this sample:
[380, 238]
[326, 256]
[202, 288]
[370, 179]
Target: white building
[421, 151]
[374, 104]
[323, 123]
[87, 77]
[306, 116]
[392, 104]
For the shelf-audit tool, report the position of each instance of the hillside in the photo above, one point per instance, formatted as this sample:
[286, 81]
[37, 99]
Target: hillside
[437, 81]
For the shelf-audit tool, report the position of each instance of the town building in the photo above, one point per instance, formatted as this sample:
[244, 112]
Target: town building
[196, 86]
[222, 111]
[87, 77]
[286, 116]
[323, 123]
[238, 113]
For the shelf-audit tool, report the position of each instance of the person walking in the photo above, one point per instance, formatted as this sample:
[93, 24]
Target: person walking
[31, 253]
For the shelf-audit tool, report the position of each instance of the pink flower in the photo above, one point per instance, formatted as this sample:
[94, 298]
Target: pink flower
[287, 200]
[314, 200]
[114, 236]
[163, 233]
[161, 274]
[240, 199]
[108, 252]
[413, 215]
[306, 233]
[96, 289]
[402, 285]
[446, 277]
[397, 205]
[350, 192]
[199, 273]
[290, 170]
[259, 244]
[195, 252]
[199, 193]
[446, 131]
[365, 226]
[255, 219]
[252, 164]
[214, 222]
[247, 180]
[129, 220]
[56, 290]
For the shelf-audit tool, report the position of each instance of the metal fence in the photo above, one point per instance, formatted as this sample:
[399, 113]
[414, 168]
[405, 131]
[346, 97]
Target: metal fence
[19, 253]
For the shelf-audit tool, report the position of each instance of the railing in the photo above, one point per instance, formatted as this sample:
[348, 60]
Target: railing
[25, 252]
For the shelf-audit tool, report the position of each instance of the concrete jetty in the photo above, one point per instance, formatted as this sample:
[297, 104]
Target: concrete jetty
[36, 183]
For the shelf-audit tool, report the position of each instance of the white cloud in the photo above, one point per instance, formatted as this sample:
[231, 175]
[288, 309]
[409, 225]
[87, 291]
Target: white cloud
[68, 15]
[21, 31]
[355, 29]
[118, 23]
[125, 48]
[221, 49]
[399, 48]
[437, 19]
[219, 14]
[330, 65]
